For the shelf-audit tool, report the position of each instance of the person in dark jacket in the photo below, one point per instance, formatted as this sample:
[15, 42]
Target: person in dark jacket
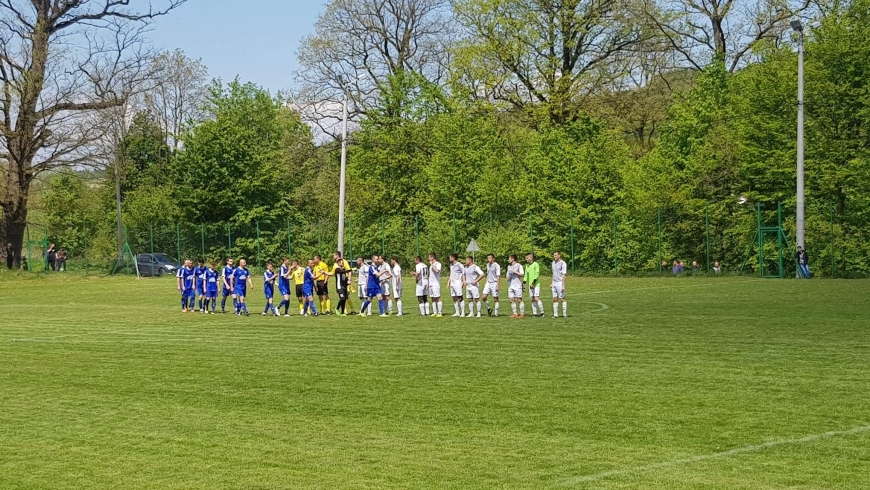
[10, 256]
[51, 257]
[803, 261]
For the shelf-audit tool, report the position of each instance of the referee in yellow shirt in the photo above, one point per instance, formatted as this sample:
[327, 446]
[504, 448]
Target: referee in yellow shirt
[321, 272]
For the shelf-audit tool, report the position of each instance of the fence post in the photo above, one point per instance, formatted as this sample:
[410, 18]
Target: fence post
[531, 234]
[661, 246]
[202, 238]
[417, 233]
[289, 241]
[383, 238]
[229, 241]
[151, 235]
[258, 243]
[760, 240]
[320, 236]
[349, 254]
[572, 241]
[707, 234]
[178, 242]
[779, 238]
[491, 235]
[615, 244]
[454, 232]
[86, 257]
[126, 247]
[833, 244]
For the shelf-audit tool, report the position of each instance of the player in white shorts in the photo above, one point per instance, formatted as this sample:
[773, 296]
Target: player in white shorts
[421, 278]
[385, 274]
[560, 272]
[515, 274]
[362, 275]
[456, 272]
[396, 272]
[493, 278]
[471, 277]
[435, 285]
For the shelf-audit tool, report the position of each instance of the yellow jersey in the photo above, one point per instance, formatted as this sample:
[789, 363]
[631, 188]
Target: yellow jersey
[344, 265]
[320, 270]
[298, 276]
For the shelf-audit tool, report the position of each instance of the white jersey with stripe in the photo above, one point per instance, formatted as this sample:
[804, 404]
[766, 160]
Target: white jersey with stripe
[560, 269]
[422, 274]
[493, 272]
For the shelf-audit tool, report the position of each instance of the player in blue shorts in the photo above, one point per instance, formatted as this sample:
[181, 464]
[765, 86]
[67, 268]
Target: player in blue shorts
[186, 286]
[308, 290]
[284, 274]
[373, 289]
[227, 280]
[269, 280]
[199, 274]
[211, 288]
[241, 281]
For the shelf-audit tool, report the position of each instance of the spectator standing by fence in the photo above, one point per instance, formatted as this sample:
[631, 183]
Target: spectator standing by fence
[803, 260]
[51, 257]
[10, 256]
[61, 260]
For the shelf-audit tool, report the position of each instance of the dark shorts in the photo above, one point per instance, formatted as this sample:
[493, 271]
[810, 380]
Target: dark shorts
[307, 292]
[299, 292]
[374, 292]
[322, 289]
[284, 288]
[240, 292]
[227, 292]
[211, 294]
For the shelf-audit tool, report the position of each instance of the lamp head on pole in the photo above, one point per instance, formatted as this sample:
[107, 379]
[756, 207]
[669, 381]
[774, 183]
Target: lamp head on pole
[797, 26]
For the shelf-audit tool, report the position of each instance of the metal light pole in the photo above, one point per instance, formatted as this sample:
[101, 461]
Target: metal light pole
[342, 193]
[799, 214]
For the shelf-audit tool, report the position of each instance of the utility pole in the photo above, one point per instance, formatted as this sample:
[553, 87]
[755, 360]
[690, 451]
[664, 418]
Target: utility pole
[342, 193]
[799, 212]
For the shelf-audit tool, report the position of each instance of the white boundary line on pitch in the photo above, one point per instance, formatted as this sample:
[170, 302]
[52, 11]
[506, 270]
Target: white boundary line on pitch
[720, 455]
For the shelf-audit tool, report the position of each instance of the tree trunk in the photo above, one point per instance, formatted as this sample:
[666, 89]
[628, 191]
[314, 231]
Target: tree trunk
[719, 37]
[15, 221]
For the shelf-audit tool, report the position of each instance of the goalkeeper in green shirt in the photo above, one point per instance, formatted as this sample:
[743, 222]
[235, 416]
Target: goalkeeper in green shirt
[532, 279]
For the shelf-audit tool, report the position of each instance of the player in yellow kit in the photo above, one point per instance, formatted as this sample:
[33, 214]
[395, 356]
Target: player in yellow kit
[298, 276]
[321, 274]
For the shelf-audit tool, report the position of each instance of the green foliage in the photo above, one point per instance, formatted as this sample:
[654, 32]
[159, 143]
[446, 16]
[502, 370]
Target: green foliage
[72, 211]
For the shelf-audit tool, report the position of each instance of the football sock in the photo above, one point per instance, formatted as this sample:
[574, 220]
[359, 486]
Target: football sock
[183, 302]
[422, 309]
[514, 308]
[328, 305]
[541, 307]
[399, 306]
[390, 305]
[223, 303]
[365, 306]
[304, 309]
[381, 306]
[440, 307]
[497, 304]
[462, 307]
[266, 310]
[556, 309]
[534, 308]
[200, 304]
[312, 308]
[565, 309]
[522, 308]
[245, 307]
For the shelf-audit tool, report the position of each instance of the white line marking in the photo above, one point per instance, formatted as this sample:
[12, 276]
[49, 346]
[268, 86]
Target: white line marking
[601, 307]
[724, 454]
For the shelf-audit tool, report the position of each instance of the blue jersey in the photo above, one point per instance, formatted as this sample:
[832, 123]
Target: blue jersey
[199, 273]
[187, 277]
[308, 285]
[374, 282]
[211, 281]
[229, 273]
[269, 283]
[240, 279]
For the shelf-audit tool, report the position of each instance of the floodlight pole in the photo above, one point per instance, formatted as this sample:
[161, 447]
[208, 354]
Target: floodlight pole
[799, 213]
[342, 193]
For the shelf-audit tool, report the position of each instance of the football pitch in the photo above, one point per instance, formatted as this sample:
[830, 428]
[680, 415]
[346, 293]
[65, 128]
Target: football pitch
[689, 383]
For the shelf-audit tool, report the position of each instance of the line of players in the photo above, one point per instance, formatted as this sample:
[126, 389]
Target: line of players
[375, 282]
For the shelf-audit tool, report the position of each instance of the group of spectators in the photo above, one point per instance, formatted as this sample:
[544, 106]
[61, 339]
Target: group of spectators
[679, 267]
[56, 259]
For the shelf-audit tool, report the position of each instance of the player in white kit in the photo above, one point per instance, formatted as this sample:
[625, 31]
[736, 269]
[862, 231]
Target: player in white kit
[421, 276]
[493, 278]
[397, 283]
[456, 272]
[385, 274]
[362, 275]
[515, 273]
[560, 271]
[435, 285]
[471, 277]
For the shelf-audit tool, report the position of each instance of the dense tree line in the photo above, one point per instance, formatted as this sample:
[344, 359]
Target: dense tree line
[572, 126]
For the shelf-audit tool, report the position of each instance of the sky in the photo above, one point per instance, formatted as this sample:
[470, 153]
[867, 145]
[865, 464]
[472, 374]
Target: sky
[255, 40]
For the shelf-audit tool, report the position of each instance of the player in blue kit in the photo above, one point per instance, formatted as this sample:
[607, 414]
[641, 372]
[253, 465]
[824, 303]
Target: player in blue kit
[241, 281]
[269, 280]
[211, 288]
[186, 281]
[199, 274]
[308, 290]
[284, 274]
[373, 289]
[227, 280]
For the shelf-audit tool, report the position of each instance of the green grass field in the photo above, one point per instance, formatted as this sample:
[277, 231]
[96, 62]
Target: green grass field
[686, 383]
